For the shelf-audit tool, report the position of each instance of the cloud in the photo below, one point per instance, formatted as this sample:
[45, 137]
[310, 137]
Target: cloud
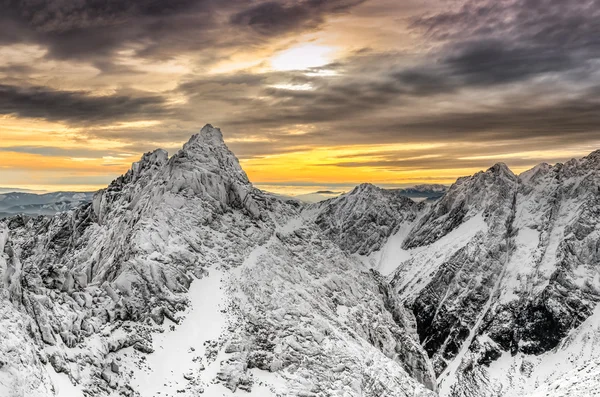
[486, 63]
[509, 40]
[76, 107]
[94, 30]
[491, 76]
[53, 151]
[276, 17]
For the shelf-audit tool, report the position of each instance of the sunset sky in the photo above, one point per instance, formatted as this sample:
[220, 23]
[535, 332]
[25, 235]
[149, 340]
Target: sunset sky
[310, 94]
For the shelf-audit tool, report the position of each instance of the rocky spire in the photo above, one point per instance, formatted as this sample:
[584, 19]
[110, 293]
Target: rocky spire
[207, 151]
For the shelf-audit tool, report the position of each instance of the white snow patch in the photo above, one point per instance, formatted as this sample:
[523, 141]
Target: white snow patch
[572, 369]
[519, 266]
[342, 310]
[387, 259]
[424, 261]
[62, 385]
[174, 351]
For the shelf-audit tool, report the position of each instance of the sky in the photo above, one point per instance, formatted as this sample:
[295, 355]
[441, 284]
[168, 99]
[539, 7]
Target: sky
[310, 94]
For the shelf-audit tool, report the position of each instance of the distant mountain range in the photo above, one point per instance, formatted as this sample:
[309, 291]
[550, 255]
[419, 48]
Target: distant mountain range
[14, 203]
[33, 204]
[417, 193]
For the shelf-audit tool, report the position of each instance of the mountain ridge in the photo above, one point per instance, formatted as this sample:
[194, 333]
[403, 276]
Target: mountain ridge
[98, 297]
[118, 270]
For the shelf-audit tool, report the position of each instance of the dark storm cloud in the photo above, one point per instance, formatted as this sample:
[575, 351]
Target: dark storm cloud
[495, 42]
[276, 17]
[556, 23]
[90, 29]
[484, 49]
[76, 107]
[487, 48]
[344, 112]
[568, 121]
[485, 63]
[95, 29]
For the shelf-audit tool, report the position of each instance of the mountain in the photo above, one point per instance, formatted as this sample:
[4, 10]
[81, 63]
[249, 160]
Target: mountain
[503, 274]
[181, 278]
[361, 220]
[429, 193]
[41, 204]
[316, 197]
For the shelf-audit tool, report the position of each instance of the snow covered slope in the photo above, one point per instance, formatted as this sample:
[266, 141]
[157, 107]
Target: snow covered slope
[501, 274]
[182, 278]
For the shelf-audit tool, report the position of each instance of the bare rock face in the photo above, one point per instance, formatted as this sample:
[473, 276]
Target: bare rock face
[94, 294]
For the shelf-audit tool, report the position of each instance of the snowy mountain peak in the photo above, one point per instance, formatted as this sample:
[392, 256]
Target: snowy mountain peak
[592, 160]
[595, 155]
[183, 278]
[208, 135]
[501, 168]
[207, 153]
[361, 220]
[364, 187]
[534, 173]
[151, 160]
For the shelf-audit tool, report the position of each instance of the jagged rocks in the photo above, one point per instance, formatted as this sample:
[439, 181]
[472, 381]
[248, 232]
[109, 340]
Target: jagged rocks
[101, 282]
[361, 220]
[496, 275]
[520, 284]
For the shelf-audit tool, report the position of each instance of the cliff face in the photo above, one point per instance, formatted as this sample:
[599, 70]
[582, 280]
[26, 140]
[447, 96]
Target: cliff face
[499, 273]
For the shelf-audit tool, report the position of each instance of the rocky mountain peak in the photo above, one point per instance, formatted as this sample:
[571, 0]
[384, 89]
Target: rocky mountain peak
[534, 173]
[208, 135]
[206, 152]
[501, 169]
[151, 160]
[361, 220]
[364, 188]
[113, 301]
[591, 161]
[595, 155]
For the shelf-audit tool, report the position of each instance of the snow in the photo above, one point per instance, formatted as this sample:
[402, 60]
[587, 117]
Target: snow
[274, 272]
[573, 368]
[423, 261]
[548, 261]
[175, 350]
[62, 385]
[525, 244]
[342, 310]
[386, 260]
